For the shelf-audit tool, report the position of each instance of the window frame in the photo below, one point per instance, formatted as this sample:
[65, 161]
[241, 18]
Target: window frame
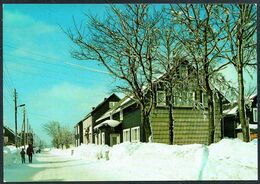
[124, 135]
[179, 98]
[112, 104]
[137, 138]
[160, 104]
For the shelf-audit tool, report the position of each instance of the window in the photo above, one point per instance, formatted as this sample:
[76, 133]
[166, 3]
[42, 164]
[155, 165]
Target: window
[255, 114]
[204, 99]
[112, 104]
[121, 115]
[135, 134]
[161, 98]
[183, 71]
[114, 139]
[184, 98]
[103, 138]
[126, 135]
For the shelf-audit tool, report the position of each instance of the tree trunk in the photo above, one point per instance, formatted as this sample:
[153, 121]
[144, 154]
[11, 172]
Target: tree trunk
[211, 119]
[171, 118]
[241, 101]
[241, 107]
[171, 123]
[210, 113]
[146, 124]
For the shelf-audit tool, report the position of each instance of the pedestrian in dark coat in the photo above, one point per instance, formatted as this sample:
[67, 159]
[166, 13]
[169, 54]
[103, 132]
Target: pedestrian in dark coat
[30, 152]
[23, 155]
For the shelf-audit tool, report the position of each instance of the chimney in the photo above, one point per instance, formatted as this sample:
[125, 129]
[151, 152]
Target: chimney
[93, 108]
[105, 99]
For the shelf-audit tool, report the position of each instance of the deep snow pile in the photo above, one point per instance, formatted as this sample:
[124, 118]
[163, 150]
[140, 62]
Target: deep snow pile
[164, 161]
[84, 151]
[232, 159]
[228, 159]
[11, 155]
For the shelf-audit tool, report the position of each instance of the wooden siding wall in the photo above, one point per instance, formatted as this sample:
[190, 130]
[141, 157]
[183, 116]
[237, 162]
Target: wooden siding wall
[190, 126]
[160, 125]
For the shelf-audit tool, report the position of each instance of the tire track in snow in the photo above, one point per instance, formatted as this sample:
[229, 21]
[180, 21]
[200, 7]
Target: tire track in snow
[205, 157]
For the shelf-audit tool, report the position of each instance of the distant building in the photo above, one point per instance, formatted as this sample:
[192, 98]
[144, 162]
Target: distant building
[84, 128]
[9, 136]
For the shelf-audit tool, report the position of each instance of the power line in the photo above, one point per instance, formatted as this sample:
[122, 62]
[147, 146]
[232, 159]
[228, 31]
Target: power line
[7, 100]
[9, 89]
[42, 76]
[56, 59]
[8, 75]
[42, 68]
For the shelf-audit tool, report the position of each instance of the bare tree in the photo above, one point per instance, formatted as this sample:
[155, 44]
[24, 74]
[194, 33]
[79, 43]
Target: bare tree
[170, 57]
[199, 29]
[60, 135]
[241, 30]
[125, 43]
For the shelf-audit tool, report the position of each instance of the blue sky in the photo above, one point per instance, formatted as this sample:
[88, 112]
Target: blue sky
[37, 63]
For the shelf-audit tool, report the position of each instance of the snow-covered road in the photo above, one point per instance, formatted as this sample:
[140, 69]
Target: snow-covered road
[47, 167]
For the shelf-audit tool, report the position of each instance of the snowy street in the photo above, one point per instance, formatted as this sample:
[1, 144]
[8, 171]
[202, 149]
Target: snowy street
[229, 159]
[48, 167]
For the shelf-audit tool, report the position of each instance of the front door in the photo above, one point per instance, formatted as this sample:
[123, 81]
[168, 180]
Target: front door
[114, 139]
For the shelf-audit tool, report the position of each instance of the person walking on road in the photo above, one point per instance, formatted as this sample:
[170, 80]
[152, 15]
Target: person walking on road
[30, 152]
[23, 155]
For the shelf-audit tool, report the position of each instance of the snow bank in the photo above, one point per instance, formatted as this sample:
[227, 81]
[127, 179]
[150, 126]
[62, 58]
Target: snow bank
[229, 159]
[232, 159]
[167, 161]
[85, 151]
[11, 155]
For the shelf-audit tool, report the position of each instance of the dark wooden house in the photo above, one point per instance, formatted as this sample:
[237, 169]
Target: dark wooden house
[191, 124]
[84, 132]
[232, 127]
[9, 136]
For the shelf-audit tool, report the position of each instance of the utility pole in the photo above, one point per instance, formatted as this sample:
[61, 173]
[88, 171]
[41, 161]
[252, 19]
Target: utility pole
[15, 116]
[24, 127]
[27, 132]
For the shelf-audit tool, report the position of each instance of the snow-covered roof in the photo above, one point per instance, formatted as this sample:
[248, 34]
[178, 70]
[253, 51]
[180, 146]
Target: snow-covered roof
[251, 126]
[232, 111]
[111, 122]
[253, 96]
[125, 102]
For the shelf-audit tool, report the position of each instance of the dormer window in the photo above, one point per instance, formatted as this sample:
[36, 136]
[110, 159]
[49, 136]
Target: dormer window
[183, 71]
[112, 104]
[161, 98]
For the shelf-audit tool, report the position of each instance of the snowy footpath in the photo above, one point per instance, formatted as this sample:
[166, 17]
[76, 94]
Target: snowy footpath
[229, 159]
